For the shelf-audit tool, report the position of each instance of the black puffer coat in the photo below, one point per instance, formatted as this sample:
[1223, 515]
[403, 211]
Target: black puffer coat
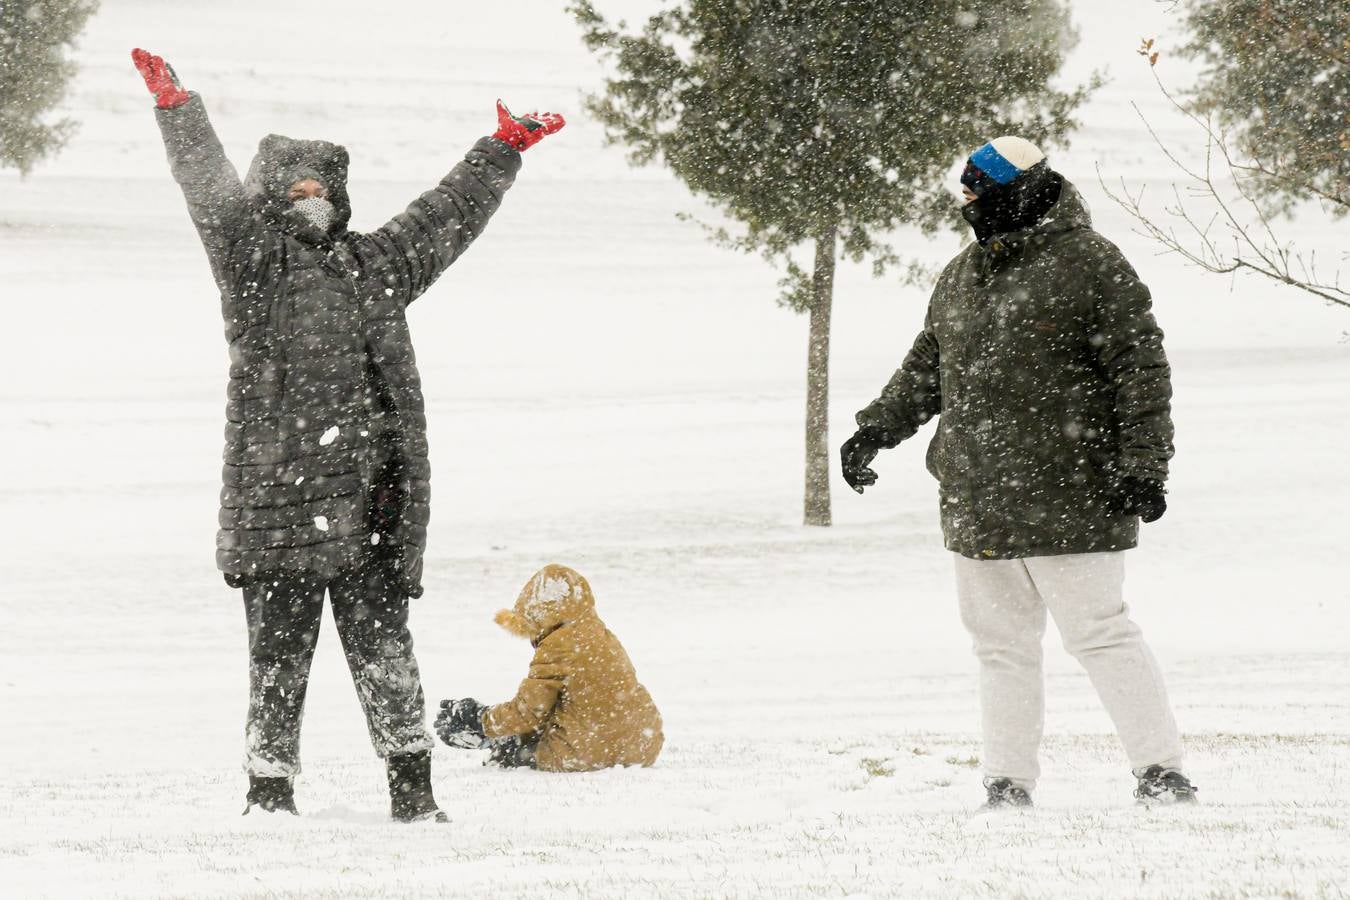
[1041, 355]
[325, 403]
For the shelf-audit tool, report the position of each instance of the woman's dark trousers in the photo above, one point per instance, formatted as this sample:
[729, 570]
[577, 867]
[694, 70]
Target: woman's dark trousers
[371, 612]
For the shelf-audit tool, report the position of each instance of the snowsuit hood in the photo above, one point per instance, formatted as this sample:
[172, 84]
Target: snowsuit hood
[552, 597]
[282, 161]
[581, 704]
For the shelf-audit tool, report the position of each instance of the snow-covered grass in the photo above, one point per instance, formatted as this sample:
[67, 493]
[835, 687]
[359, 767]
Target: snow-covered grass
[821, 818]
[638, 417]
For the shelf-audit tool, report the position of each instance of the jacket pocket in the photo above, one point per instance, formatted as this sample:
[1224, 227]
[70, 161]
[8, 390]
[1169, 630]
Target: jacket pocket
[934, 459]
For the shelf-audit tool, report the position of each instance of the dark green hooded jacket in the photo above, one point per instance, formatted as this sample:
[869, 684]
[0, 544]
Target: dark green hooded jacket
[324, 402]
[1042, 358]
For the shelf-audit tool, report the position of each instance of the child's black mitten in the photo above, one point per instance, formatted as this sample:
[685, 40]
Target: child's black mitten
[460, 723]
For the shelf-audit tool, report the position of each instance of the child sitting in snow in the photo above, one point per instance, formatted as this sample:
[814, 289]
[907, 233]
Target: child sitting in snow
[580, 708]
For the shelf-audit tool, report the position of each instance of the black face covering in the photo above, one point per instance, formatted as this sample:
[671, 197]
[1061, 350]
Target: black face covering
[1005, 208]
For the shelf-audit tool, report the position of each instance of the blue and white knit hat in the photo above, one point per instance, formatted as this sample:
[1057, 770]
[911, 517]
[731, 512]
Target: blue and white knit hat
[1003, 159]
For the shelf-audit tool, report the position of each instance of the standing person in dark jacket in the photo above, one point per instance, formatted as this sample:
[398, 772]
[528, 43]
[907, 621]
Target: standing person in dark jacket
[326, 472]
[1042, 358]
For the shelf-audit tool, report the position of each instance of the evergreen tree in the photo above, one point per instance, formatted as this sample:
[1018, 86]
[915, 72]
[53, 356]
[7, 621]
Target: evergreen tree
[34, 73]
[824, 124]
[1277, 81]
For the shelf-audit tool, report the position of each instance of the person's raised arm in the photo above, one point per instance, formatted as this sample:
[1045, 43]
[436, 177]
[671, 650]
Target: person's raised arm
[422, 241]
[215, 196]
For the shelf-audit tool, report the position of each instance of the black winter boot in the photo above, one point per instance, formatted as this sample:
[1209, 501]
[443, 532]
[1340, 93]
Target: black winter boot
[410, 789]
[1159, 785]
[1003, 794]
[270, 795]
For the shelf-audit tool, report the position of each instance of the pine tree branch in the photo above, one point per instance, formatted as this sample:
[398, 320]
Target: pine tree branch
[1308, 39]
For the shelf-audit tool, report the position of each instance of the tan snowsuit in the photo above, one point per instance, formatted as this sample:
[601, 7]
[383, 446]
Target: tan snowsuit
[581, 698]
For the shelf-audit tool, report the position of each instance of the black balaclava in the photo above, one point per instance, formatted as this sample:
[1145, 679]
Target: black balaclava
[1014, 187]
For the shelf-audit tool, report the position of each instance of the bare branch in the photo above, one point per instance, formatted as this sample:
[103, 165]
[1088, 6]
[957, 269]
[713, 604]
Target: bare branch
[1256, 245]
[1257, 167]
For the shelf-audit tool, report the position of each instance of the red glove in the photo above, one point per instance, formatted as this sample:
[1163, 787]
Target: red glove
[523, 132]
[159, 78]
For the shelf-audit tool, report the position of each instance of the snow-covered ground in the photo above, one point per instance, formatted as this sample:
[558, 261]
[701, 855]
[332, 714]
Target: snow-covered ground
[634, 410]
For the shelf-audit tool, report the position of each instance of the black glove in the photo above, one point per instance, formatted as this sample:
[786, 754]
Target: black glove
[859, 451]
[1142, 497]
[460, 723]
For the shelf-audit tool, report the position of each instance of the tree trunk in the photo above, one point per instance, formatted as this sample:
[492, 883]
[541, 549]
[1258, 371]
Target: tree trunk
[818, 383]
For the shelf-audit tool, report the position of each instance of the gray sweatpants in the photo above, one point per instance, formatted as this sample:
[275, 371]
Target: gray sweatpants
[1003, 606]
[371, 612]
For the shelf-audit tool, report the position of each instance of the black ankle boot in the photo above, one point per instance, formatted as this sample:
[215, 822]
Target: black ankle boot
[410, 789]
[1004, 794]
[1159, 785]
[270, 795]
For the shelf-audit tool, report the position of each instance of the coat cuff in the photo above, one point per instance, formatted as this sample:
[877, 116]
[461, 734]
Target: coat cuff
[499, 153]
[174, 116]
[490, 731]
[1151, 469]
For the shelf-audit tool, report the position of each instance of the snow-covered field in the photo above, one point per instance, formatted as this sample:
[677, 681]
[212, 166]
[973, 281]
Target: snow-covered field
[634, 410]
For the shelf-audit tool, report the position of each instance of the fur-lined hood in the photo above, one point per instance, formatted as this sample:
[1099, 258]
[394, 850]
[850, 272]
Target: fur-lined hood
[282, 161]
[554, 596]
